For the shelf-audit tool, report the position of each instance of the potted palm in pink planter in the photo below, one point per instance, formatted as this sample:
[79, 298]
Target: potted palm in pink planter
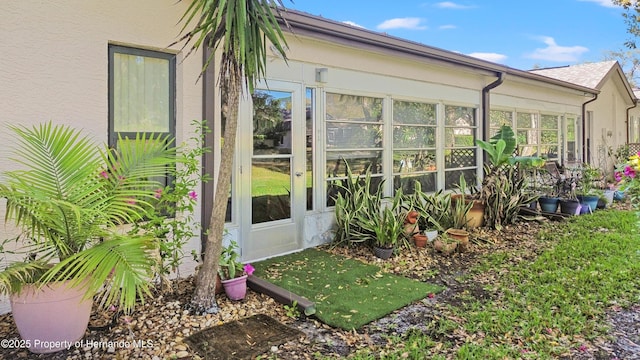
[66, 201]
[232, 273]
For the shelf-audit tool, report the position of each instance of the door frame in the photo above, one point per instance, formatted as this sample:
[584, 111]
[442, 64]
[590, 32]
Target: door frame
[263, 240]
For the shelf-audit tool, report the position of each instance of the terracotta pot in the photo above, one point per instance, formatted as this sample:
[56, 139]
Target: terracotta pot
[411, 229]
[445, 248]
[420, 240]
[236, 288]
[412, 217]
[475, 216]
[461, 236]
[52, 318]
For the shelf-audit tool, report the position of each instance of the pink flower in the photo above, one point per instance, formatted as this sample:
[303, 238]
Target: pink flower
[158, 193]
[618, 176]
[431, 295]
[628, 171]
[583, 347]
[131, 201]
[193, 195]
[249, 269]
[104, 174]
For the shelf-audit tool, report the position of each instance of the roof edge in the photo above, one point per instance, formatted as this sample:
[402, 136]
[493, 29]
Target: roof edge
[303, 23]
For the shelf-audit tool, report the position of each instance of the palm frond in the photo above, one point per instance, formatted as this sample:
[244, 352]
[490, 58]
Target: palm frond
[124, 265]
[17, 274]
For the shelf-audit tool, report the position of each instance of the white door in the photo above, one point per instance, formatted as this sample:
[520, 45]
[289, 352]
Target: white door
[272, 171]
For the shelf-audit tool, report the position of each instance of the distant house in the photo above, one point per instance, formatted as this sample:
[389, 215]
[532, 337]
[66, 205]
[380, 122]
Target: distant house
[611, 119]
[347, 95]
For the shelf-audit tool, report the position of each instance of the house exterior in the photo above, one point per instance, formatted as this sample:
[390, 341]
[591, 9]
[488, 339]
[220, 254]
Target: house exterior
[345, 95]
[611, 119]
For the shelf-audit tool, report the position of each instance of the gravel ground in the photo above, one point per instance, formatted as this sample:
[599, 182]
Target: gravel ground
[163, 322]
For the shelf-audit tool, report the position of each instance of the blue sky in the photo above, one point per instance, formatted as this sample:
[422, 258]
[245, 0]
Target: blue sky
[519, 34]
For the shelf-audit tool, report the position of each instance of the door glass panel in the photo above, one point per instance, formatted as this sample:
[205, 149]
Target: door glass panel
[309, 134]
[271, 189]
[272, 156]
[271, 122]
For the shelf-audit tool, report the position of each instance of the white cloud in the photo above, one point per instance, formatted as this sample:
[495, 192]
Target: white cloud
[353, 24]
[605, 3]
[451, 5]
[447, 27]
[402, 23]
[493, 57]
[555, 52]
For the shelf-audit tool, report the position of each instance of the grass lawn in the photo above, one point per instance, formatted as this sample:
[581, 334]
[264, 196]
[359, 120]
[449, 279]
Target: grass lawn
[348, 293]
[545, 308]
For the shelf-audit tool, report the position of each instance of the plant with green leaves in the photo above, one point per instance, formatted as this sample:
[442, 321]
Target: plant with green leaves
[504, 187]
[460, 208]
[239, 32]
[230, 265]
[383, 227]
[434, 208]
[170, 219]
[69, 200]
[357, 197]
[292, 310]
[588, 175]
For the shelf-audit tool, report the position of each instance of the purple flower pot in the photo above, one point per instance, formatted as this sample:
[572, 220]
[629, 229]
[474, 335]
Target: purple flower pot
[236, 288]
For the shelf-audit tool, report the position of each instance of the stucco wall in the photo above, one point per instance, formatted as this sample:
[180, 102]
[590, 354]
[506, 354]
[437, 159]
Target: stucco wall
[54, 66]
[608, 129]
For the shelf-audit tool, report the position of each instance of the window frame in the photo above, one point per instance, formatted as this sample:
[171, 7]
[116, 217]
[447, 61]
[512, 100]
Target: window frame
[127, 50]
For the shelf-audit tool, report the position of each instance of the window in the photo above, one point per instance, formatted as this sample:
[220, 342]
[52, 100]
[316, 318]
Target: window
[414, 146]
[497, 118]
[572, 148]
[353, 127]
[310, 143]
[142, 87]
[460, 151]
[537, 135]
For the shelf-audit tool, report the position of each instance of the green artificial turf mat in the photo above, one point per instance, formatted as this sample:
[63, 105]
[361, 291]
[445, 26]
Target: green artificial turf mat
[348, 293]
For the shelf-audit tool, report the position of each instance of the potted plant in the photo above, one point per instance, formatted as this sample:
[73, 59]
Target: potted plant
[445, 244]
[569, 204]
[433, 209]
[548, 200]
[67, 201]
[586, 193]
[473, 209]
[233, 273]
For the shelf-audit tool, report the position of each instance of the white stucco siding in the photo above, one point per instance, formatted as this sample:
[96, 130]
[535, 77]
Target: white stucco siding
[536, 96]
[372, 67]
[54, 66]
[609, 128]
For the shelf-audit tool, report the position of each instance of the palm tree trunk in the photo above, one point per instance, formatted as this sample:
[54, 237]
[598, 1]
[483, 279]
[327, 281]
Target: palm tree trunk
[203, 299]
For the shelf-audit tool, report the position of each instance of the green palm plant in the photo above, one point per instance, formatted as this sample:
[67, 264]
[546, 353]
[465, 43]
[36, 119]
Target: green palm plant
[69, 200]
[240, 31]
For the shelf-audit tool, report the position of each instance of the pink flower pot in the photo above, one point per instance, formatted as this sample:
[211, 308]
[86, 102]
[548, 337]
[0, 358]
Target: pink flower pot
[236, 288]
[52, 318]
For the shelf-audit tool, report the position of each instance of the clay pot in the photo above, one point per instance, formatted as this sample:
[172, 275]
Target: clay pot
[411, 229]
[420, 240]
[412, 217]
[445, 248]
[461, 236]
